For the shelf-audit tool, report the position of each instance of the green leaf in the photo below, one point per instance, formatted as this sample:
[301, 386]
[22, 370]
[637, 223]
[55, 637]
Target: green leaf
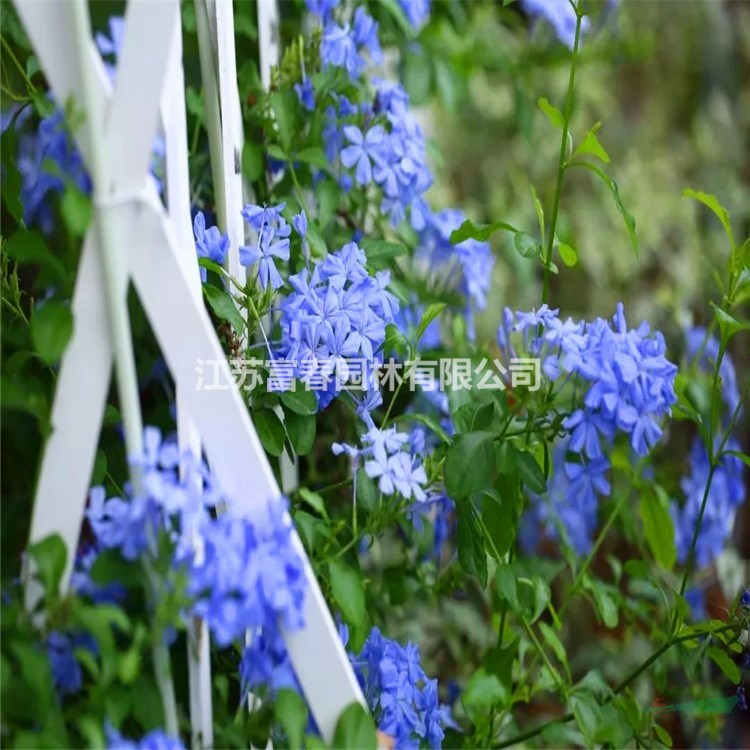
[301, 430]
[470, 541]
[348, 593]
[470, 464]
[531, 473]
[252, 161]
[500, 519]
[51, 329]
[605, 603]
[381, 252]
[590, 145]
[314, 156]
[568, 254]
[270, 430]
[367, 491]
[728, 326]
[553, 641]
[396, 341]
[223, 305]
[300, 399]
[291, 711]
[527, 246]
[428, 422]
[283, 106]
[29, 246]
[658, 527]
[76, 210]
[737, 454]
[712, 202]
[553, 113]
[539, 213]
[355, 729]
[483, 692]
[12, 180]
[724, 662]
[50, 557]
[507, 586]
[427, 317]
[482, 232]
[275, 151]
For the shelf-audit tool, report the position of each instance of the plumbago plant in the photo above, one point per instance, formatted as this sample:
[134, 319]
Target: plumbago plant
[437, 472]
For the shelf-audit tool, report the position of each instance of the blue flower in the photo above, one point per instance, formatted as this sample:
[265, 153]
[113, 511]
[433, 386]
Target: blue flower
[273, 242]
[417, 11]
[727, 493]
[338, 48]
[366, 34]
[560, 14]
[155, 740]
[110, 46]
[209, 243]
[306, 94]
[66, 671]
[745, 598]
[321, 8]
[364, 150]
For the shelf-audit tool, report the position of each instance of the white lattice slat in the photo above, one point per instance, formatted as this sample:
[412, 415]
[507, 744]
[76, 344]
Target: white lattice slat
[149, 247]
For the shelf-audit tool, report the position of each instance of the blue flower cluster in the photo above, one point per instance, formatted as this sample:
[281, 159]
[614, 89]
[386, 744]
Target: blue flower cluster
[243, 572]
[66, 671]
[156, 740]
[402, 697]
[629, 381]
[335, 313]
[209, 242]
[396, 469]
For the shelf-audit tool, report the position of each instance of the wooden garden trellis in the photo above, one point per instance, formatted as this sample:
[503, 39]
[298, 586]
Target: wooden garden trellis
[134, 239]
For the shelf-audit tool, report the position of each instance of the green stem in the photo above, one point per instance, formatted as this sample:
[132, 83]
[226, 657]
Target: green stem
[18, 65]
[538, 646]
[637, 672]
[298, 188]
[563, 148]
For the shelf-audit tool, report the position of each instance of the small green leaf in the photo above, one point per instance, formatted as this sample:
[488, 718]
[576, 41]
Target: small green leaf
[348, 593]
[381, 252]
[50, 557]
[553, 113]
[314, 500]
[355, 729]
[270, 430]
[568, 254]
[29, 246]
[314, 156]
[527, 246]
[531, 473]
[658, 527]
[223, 305]
[500, 519]
[470, 464]
[275, 151]
[712, 202]
[742, 456]
[483, 692]
[427, 317]
[482, 232]
[724, 662]
[51, 329]
[300, 399]
[553, 641]
[590, 145]
[539, 213]
[76, 210]
[283, 106]
[728, 326]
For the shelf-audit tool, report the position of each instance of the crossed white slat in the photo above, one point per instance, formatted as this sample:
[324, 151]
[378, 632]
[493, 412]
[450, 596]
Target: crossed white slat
[150, 247]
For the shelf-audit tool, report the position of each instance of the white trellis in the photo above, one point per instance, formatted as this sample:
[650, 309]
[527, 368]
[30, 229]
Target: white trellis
[133, 239]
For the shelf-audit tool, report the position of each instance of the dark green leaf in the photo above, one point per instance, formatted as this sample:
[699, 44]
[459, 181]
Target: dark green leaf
[470, 464]
[291, 711]
[500, 518]
[283, 106]
[300, 399]
[531, 473]
[223, 305]
[301, 431]
[29, 246]
[51, 329]
[314, 156]
[470, 542]
[427, 317]
[381, 252]
[427, 421]
[252, 161]
[49, 556]
[367, 491]
[658, 527]
[76, 210]
[270, 430]
[725, 664]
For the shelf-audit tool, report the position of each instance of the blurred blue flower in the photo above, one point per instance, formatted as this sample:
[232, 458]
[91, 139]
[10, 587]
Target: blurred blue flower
[66, 671]
[560, 14]
[417, 11]
[155, 740]
[306, 94]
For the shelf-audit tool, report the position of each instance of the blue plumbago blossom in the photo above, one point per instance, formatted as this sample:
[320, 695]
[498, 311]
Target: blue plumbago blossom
[209, 242]
[570, 504]
[336, 312]
[365, 32]
[306, 94]
[339, 49]
[110, 46]
[438, 510]
[321, 8]
[363, 150]
[273, 242]
[401, 696]
[155, 740]
[560, 14]
[46, 158]
[416, 11]
[265, 662]
[726, 495]
[745, 598]
[66, 671]
[396, 469]
[629, 382]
